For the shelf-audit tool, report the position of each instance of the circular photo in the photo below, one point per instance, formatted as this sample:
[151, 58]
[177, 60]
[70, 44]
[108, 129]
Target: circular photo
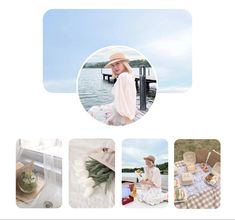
[117, 85]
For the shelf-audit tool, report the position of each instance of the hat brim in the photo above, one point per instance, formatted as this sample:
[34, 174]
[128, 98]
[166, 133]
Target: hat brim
[108, 65]
[147, 158]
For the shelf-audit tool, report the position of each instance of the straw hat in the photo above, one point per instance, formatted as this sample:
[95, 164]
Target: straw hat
[150, 157]
[115, 58]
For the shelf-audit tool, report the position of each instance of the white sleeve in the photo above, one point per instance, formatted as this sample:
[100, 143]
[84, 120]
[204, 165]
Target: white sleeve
[146, 173]
[156, 179]
[125, 95]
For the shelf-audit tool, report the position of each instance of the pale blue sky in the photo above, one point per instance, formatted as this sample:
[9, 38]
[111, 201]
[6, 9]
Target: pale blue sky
[162, 36]
[133, 151]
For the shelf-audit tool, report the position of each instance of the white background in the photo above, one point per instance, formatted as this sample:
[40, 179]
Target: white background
[27, 110]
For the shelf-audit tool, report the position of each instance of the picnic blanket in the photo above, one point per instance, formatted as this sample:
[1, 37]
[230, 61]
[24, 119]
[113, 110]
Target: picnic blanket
[200, 195]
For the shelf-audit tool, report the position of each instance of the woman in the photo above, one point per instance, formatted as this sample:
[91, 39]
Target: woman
[151, 192]
[122, 110]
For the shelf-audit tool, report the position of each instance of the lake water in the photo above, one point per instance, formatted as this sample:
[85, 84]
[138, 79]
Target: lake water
[93, 90]
[133, 175]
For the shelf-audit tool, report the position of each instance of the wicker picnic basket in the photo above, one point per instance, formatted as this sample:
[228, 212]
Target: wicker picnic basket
[201, 155]
[213, 158]
[189, 158]
[216, 169]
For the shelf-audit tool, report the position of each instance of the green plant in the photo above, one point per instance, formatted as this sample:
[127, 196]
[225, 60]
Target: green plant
[100, 173]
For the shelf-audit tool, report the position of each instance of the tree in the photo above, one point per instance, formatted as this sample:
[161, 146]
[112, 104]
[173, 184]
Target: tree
[133, 64]
[162, 167]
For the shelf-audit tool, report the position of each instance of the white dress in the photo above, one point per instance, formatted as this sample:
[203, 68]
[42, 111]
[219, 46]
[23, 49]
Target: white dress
[124, 104]
[152, 195]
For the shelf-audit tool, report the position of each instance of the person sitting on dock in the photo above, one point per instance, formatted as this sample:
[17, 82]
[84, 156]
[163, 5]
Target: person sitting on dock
[151, 192]
[122, 110]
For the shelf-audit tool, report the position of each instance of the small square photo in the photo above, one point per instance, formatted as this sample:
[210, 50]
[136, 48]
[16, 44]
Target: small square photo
[197, 174]
[144, 173]
[38, 173]
[92, 173]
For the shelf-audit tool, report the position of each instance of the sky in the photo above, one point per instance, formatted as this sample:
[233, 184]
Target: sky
[133, 151]
[162, 36]
[104, 54]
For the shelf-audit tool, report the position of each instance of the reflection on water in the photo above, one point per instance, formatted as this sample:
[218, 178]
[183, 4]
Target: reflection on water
[93, 90]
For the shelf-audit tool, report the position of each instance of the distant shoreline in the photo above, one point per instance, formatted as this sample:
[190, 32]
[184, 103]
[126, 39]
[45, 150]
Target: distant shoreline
[162, 167]
[133, 64]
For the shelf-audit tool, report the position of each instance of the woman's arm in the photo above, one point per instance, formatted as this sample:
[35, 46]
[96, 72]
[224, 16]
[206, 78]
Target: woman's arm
[145, 178]
[125, 97]
[149, 182]
[156, 180]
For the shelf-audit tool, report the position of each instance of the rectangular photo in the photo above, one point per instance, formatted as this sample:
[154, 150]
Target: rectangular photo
[72, 37]
[91, 173]
[144, 173]
[38, 173]
[197, 174]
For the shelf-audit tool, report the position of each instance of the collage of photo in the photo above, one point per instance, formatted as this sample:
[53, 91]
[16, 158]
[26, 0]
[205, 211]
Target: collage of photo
[144, 173]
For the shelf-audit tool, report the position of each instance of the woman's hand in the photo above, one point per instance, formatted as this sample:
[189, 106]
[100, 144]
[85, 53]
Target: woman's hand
[147, 182]
[127, 120]
[143, 182]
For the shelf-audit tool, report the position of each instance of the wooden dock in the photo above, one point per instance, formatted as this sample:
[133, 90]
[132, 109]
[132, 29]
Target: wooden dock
[139, 115]
[142, 84]
[107, 76]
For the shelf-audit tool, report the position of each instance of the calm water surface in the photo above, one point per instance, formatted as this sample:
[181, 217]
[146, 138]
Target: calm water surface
[93, 90]
[164, 178]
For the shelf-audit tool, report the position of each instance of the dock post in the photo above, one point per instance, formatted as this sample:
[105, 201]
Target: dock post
[136, 84]
[101, 70]
[142, 74]
[147, 86]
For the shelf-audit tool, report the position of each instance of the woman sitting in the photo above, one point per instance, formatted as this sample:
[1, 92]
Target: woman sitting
[151, 192]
